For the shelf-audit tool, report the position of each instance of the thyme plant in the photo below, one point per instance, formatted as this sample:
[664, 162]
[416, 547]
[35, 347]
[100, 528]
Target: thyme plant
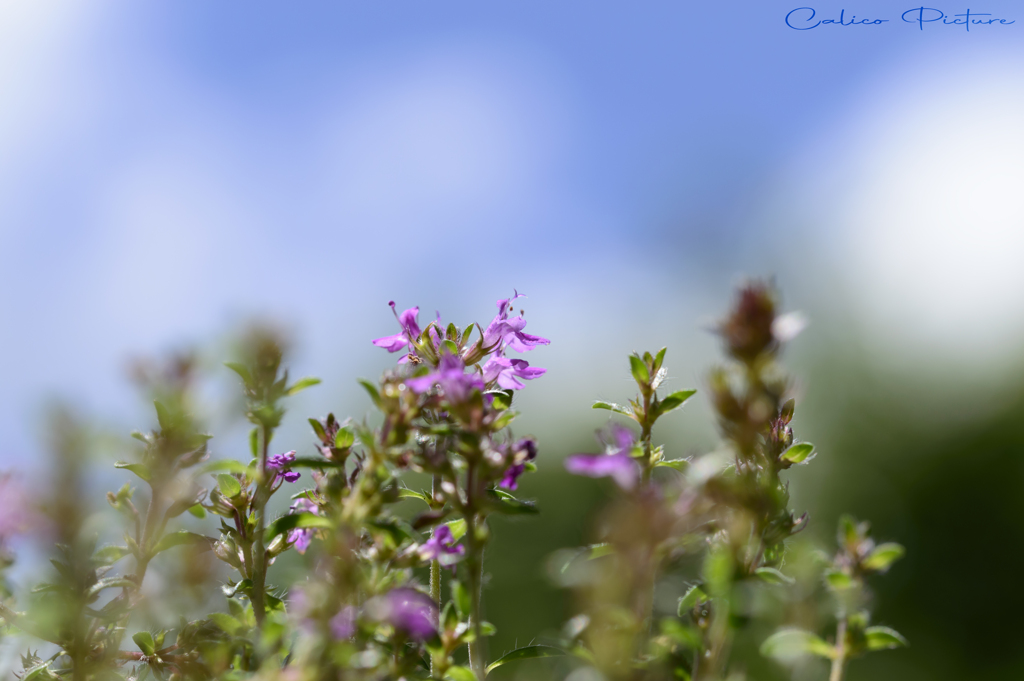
[389, 595]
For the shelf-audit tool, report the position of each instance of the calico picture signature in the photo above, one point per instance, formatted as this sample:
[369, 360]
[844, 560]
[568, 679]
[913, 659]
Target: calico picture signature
[807, 18]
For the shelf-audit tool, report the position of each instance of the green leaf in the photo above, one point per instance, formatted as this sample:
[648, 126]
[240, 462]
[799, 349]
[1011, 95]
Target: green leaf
[344, 438]
[144, 640]
[241, 370]
[527, 653]
[502, 399]
[506, 418]
[318, 429]
[598, 550]
[254, 442]
[639, 370]
[504, 503]
[659, 358]
[611, 406]
[404, 493]
[197, 510]
[301, 385]
[458, 528]
[460, 596]
[181, 537]
[883, 556]
[718, 572]
[109, 583]
[459, 673]
[848, 532]
[229, 486]
[674, 401]
[786, 413]
[293, 521]
[684, 635]
[226, 622]
[163, 416]
[773, 576]
[678, 464]
[371, 389]
[788, 645]
[882, 638]
[139, 469]
[226, 465]
[40, 671]
[838, 580]
[109, 555]
[694, 596]
[798, 453]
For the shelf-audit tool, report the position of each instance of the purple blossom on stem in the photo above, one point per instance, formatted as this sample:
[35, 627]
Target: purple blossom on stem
[507, 372]
[508, 332]
[442, 547]
[451, 376]
[407, 610]
[522, 451]
[343, 625]
[302, 537]
[280, 463]
[410, 330]
[616, 463]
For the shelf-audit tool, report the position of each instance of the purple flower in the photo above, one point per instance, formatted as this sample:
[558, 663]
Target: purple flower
[442, 547]
[616, 463]
[16, 515]
[512, 473]
[410, 330]
[451, 376]
[407, 610]
[507, 372]
[302, 537]
[522, 451]
[280, 463]
[343, 625]
[509, 331]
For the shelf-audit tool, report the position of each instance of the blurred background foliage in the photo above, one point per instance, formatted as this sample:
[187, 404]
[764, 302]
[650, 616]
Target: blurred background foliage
[168, 170]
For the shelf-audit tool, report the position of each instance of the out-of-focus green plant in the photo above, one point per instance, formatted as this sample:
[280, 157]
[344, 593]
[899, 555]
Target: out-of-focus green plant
[721, 520]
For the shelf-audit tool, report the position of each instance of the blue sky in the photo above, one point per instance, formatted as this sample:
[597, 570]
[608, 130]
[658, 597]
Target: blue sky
[170, 169]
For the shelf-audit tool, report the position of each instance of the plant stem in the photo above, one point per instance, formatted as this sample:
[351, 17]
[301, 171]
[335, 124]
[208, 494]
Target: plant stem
[645, 438]
[259, 553]
[475, 568]
[435, 575]
[718, 653]
[475, 565]
[839, 662]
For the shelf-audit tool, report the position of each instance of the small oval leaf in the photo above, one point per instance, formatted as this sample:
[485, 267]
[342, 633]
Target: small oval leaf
[798, 453]
[788, 645]
[527, 653]
[883, 638]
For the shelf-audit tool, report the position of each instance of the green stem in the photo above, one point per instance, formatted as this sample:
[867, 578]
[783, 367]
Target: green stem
[435, 576]
[718, 653]
[645, 438]
[259, 553]
[839, 662]
[475, 565]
